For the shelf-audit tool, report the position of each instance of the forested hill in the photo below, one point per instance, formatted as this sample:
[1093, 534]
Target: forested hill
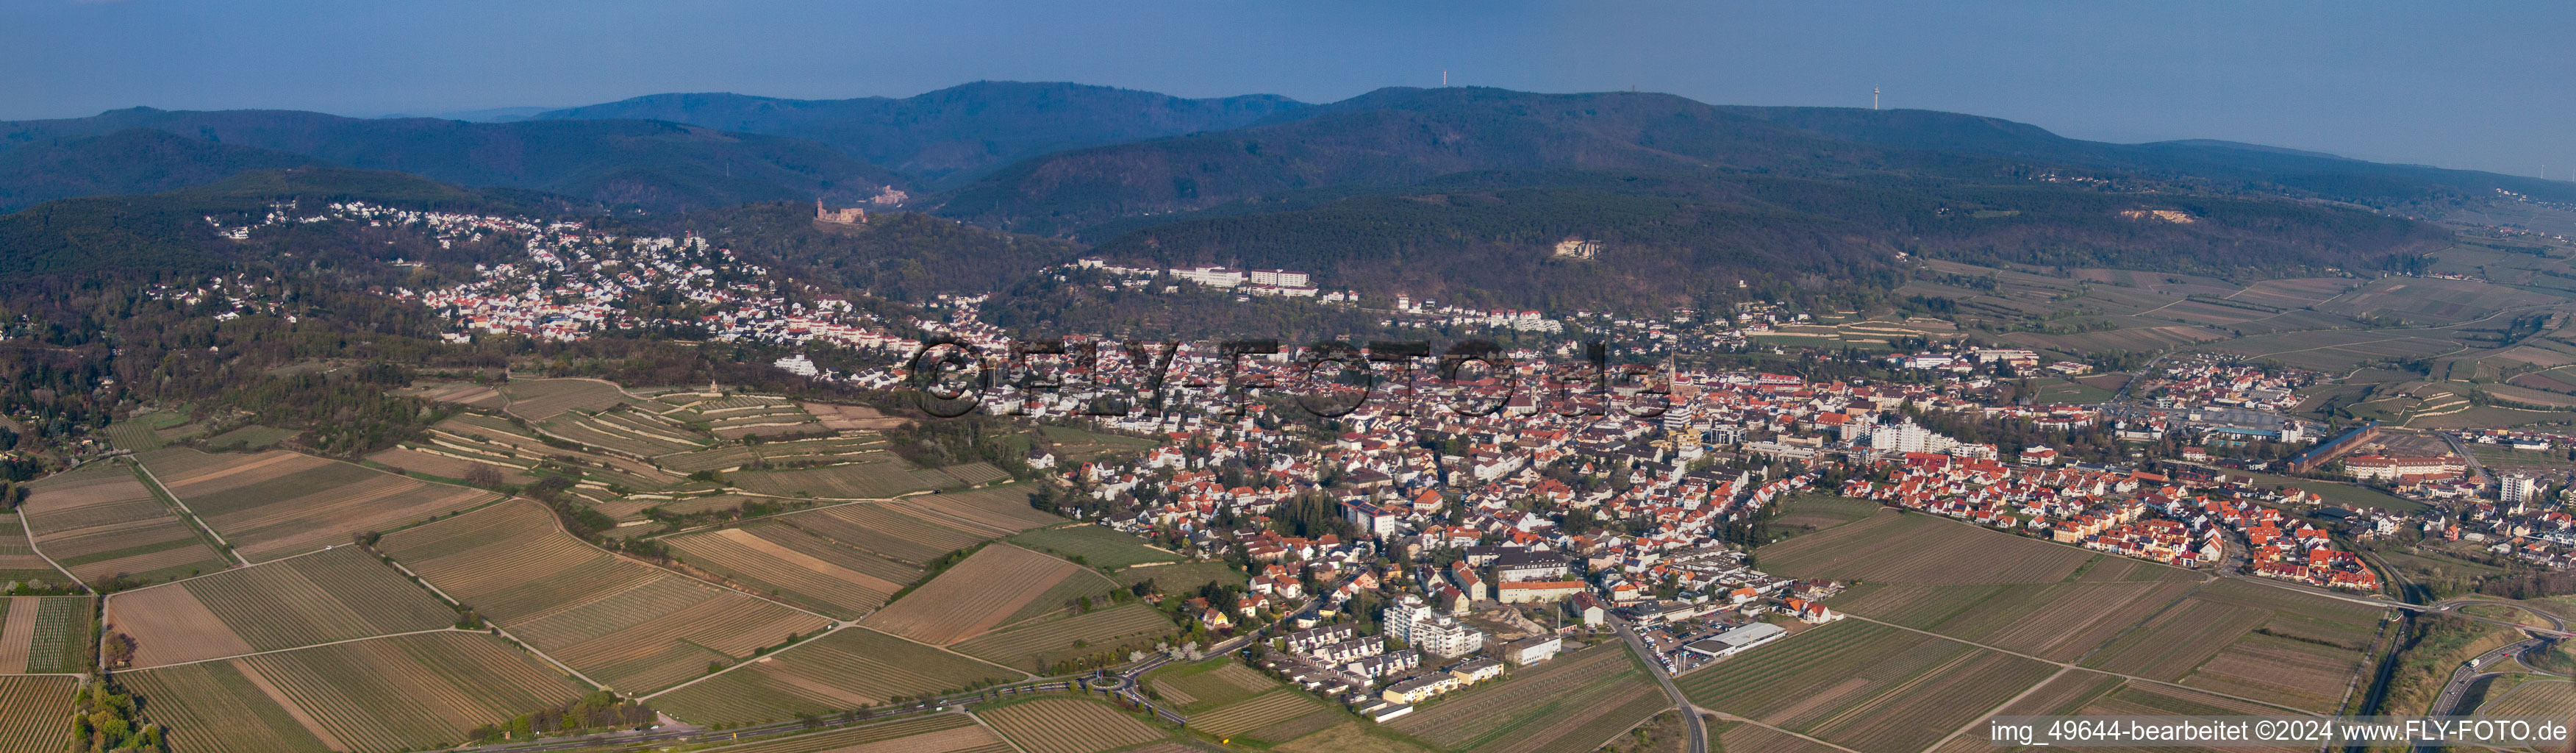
[1675, 237]
[81, 241]
[955, 134]
[2217, 164]
[899, 255]
[1396, 137]
[647, 164]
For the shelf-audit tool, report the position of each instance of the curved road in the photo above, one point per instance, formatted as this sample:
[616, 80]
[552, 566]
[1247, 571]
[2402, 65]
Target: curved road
[1690, 714]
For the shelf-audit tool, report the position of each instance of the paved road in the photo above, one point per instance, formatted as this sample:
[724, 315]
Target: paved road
[2477, 471]
[2468, 674]
[1690, 714]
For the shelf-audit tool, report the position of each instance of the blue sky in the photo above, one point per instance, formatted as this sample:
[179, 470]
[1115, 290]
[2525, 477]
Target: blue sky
[2478, 85]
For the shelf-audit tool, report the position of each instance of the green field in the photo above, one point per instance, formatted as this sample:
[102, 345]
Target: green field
[1097, 546]
[2338, 493]
[1077, 446]
[252, 437]
[2053, 390]
[1208, 684]
[1185, 577]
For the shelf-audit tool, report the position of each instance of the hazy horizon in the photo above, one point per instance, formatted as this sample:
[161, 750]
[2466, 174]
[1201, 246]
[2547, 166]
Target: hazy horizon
[2451, 87]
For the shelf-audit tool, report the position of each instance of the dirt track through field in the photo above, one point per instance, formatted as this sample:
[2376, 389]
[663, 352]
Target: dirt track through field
[17, 632]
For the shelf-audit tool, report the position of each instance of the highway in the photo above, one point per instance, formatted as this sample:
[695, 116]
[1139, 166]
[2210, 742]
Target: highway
[1655, 664]
[2468, 674]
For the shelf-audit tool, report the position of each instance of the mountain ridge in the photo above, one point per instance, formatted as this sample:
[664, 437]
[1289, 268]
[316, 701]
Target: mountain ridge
[956, 133]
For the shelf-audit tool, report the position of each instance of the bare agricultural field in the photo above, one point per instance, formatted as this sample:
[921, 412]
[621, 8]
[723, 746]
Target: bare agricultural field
[2062, 696]
[843, 588]
[936, 733]
[100, 523]
[2059, 621]
[44, 635]
[1864, 685]
[278, 503]
[2535, 698]
[847, 669]
[1068, 725]
[19, 563]
[1526, 702]
[445, 464]
[375, 696]
[35, 712]
[1256, 712]
[1002, 510]
[623, 623]
[877, 479]
[1041, 645]
[975, 595]
[2292, 673]
[461, 393]
[849, 417]
[2174, 643]
[891, 530]
[1921, 549]
[328, 596]
[1746, 738]
[1097, 546]
[541, 399]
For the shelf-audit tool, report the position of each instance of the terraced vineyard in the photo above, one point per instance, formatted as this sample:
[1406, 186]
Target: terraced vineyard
[850, 668]
[328, 596]
[756, 415]
[44, 635]
[625, 430]
[1068, 725]
[625, 624]
[100, 523]
[1035, 647]
[276, 504]
[375, 696]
